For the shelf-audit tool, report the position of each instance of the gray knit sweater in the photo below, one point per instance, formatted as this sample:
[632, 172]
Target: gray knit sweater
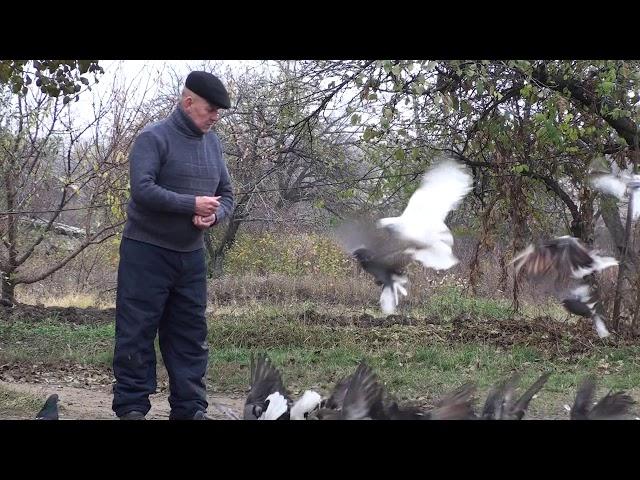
[171, 163]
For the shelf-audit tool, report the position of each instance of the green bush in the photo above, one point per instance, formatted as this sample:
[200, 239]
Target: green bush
[286, 254]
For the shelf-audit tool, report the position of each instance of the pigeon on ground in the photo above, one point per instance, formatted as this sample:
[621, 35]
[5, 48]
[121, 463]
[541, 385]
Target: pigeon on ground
[361, 396]
[357, 397]
[50, 409]
[268, 398]
[502, 404]
[613, 406]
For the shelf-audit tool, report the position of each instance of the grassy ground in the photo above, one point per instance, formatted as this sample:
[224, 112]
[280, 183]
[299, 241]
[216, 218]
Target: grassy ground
[426, 351]
[13, 403]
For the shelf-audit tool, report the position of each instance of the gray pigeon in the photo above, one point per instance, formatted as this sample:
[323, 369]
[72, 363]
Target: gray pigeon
[566, 261]
[613, 406]
[501, 402]
[50, 409]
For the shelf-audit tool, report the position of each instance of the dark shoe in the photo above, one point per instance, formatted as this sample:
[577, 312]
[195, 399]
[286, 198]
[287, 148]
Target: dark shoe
[133, 415]
[200, 415]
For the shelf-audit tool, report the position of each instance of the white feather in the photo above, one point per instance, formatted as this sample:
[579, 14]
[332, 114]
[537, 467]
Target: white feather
[400, 288]
[388, 300]
[521, 258]
[610, 184]
[277, 407]
[309, 401]
[599, 263]
[438, 256]
[635, 203]
[422, 221]
[398, 285]
[601, 328]
[583, 292]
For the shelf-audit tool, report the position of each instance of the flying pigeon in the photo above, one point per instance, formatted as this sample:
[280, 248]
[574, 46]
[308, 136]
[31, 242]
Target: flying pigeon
[386, 247]
[566, 261]
[619, 184]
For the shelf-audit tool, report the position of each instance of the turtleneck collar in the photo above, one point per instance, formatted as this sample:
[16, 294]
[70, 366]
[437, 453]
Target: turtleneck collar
[184, 124]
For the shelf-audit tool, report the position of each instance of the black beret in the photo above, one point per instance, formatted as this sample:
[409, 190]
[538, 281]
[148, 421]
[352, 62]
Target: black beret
[209, 87]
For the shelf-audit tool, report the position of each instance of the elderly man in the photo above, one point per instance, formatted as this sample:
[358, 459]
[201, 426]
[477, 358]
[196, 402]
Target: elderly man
[180, 186]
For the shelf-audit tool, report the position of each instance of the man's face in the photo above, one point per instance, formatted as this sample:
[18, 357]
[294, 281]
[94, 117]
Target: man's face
[203, 114]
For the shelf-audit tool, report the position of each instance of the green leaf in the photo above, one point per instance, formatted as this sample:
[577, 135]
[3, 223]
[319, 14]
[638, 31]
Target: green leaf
[83, 65]
[399, 154]
[355, 119]
[520, 168]
[5, 73]
[368, 134]
[418, 89]
[454, 102]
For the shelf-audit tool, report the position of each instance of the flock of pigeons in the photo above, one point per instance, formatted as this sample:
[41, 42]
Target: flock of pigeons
[361, 396]
[385, 248]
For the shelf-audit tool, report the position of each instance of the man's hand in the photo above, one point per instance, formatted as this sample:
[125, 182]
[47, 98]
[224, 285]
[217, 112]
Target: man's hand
[206, 206]
[204, 222]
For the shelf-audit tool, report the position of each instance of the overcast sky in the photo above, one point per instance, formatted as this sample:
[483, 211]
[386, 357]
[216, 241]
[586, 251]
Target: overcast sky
[143, 75]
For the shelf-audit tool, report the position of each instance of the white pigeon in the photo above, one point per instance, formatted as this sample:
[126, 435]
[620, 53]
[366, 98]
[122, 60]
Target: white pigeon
[422, 221]
[278, 406]
[309, 401]
[620, 184]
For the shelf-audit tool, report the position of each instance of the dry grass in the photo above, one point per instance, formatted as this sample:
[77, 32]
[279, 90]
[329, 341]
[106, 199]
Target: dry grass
[72, 299]
[15, 404]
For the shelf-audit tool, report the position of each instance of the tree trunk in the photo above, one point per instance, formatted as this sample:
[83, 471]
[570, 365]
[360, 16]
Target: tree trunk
[8, 264]
[8, 297]
[611, 217]
[518, 224]
[623, 261]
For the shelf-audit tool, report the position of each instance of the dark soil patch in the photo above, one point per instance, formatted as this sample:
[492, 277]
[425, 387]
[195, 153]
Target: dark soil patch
[38, 313]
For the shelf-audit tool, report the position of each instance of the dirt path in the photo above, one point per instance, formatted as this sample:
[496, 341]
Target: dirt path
[95, 403]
